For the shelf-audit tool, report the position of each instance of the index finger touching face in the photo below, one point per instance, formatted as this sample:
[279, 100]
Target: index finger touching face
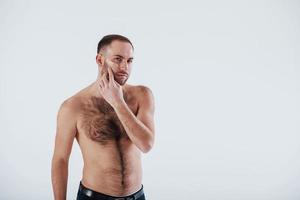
[111, 75]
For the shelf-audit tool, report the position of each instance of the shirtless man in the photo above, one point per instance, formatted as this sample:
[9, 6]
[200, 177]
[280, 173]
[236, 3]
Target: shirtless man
[112, 122]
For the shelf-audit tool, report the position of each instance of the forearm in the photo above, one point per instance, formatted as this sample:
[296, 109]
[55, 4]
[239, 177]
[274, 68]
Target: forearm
[138, 133]
[59, 175]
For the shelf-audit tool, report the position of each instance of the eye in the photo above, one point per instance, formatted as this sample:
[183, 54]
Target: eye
[118, 59]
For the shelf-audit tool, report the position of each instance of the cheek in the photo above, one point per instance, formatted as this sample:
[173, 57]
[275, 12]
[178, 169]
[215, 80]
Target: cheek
[129, 68]
[113, 65]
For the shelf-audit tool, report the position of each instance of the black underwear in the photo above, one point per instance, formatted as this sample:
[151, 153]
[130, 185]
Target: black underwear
[85, 193]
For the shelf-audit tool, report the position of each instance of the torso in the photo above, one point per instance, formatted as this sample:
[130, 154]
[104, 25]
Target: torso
[112, 163]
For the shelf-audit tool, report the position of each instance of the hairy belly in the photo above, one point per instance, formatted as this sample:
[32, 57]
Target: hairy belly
[114, 169]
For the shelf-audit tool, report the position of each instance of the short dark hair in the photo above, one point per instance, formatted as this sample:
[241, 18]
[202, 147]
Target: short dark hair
[107, 40]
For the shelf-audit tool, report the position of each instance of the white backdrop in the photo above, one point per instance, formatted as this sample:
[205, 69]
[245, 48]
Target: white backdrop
[225, 76]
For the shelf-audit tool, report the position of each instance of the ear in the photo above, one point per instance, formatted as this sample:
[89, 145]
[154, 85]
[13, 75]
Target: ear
[99, 59]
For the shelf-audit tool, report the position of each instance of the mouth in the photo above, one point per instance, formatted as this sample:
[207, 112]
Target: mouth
[122, 75]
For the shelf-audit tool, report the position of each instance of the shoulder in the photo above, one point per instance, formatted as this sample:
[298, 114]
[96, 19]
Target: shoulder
[140, 91]
[69, 107]
[145, 96]
[144, 89]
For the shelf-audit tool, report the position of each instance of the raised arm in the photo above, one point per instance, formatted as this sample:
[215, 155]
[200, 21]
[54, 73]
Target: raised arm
[65, 134]
[140, 129]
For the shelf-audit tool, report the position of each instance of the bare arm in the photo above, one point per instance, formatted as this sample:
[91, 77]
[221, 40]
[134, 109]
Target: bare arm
[65, 134]
[140, 128]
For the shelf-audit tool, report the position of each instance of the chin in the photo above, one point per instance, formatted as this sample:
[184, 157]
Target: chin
[122, 82]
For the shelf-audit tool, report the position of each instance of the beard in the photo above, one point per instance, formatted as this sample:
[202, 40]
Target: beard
[119, 79]
[121, 82]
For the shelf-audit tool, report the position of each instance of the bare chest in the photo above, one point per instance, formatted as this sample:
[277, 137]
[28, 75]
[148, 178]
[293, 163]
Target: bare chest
[99, 122]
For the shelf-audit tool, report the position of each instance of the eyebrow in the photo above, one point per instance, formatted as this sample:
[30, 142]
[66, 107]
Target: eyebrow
[123, 57]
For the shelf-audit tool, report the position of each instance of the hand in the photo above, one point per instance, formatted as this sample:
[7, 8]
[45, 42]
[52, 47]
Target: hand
[110, 89]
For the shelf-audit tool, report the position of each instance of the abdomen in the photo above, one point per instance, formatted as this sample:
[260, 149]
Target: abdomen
[113, 169]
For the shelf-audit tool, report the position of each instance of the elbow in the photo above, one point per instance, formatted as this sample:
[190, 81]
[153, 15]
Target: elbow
[59, 162]
[146, 149]
[147, 146]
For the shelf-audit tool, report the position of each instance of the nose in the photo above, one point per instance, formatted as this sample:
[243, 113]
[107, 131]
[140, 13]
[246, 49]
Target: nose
[124, 65]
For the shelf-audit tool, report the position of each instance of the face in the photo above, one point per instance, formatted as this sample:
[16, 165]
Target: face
[118, 56]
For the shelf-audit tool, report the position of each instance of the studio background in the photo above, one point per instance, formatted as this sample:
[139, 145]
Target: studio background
[224, 74]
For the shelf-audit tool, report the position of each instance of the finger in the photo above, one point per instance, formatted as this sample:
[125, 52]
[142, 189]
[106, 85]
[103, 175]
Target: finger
[100, 88]
[104, 83]
[117, 84]
[100, 84]
[104, 79]
[111, 75]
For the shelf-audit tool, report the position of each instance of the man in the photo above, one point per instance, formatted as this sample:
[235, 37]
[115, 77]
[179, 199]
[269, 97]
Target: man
[112, 122]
